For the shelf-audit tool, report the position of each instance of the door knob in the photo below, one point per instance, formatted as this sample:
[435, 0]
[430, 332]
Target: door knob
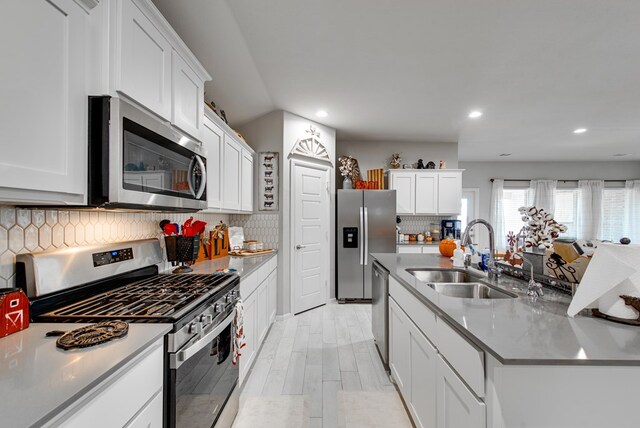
[299, 247]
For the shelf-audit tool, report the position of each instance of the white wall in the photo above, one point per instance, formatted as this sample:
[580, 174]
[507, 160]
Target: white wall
[264, 134]
[278, 131]
[295, 128]
[377, 154]
[478, 175]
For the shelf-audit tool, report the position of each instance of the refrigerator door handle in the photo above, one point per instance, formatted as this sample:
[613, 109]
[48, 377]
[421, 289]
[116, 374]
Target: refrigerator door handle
[366, 236]
[361, 243]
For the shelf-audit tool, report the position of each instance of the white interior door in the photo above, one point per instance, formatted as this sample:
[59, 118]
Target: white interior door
[310, 224]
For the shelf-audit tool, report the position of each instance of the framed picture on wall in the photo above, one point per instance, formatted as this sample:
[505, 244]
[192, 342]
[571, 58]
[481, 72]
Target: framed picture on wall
[268, 183]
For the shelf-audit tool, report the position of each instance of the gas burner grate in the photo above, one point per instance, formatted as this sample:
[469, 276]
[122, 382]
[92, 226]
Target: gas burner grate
[159, 297]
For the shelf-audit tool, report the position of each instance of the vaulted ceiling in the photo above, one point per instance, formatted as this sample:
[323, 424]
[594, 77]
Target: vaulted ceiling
[412, 70]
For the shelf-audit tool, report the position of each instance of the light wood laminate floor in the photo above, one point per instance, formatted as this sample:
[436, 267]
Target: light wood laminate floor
[316, 354]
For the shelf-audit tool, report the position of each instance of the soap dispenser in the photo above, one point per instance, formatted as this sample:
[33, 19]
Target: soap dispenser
[458, 256]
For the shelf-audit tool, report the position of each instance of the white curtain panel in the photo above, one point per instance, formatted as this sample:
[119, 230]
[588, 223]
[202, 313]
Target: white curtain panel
[631, 225]
[542, 194]
[590, 209]
[496, 215]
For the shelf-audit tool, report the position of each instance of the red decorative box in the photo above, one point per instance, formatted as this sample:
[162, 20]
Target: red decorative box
[14, 311]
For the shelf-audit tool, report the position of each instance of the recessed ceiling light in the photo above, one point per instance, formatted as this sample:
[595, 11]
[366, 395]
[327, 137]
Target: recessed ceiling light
[505, 154]
[580, 130]
[322, 113]
[619, 155]
[475, 114]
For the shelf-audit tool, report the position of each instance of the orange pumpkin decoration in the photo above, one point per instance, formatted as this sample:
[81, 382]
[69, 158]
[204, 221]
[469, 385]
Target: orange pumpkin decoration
[446, 247]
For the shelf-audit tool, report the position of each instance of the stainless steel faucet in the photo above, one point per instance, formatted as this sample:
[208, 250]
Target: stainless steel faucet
[493, 270]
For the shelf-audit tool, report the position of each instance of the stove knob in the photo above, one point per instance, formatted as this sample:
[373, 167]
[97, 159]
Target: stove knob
[195, 328]
[228, 298]
[233, 294]
[217, 308]
[206, 319]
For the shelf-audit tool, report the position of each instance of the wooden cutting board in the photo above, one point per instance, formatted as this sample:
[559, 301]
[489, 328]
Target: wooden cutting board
[247, 253]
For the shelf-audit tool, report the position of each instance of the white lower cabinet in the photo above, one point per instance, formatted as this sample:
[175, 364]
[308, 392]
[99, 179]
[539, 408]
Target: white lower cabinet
[434, 393]
[412, 360]
[399, 340]
[258, 292]
[262, 311]
[423, 356]
[250, 336]
[132, 398]
[457, 406]
[417, 249]
[273, 295]
[409, 249]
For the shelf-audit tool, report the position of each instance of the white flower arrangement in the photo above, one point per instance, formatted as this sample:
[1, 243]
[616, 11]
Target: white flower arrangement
[347, 166]
[540, 227]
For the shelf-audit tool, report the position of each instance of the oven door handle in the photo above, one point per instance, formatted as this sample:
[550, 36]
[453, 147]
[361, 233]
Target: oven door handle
[177, 359]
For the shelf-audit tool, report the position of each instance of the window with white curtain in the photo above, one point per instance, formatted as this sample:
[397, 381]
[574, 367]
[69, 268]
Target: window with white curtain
[566, 210]
[512, 200]
[612, 214]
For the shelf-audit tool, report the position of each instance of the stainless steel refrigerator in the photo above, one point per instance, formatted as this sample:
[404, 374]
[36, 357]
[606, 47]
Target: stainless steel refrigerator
[366, 223]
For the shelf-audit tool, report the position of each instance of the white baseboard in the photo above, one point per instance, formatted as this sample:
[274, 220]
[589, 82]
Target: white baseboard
[283, 317]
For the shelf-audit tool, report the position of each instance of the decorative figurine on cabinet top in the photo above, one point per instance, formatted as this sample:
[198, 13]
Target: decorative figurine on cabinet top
[443, 165]
[420, 165]
[395, 161]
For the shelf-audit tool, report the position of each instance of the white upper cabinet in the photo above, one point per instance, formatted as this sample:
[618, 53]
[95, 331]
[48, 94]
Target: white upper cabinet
[187, 97]
[232, 162]
[43, 113]
[426, 192]
[423, 192]
[213, 139]
[247, 181]
[145, 60]
[449, 192]
[151, 65]
[404, 183]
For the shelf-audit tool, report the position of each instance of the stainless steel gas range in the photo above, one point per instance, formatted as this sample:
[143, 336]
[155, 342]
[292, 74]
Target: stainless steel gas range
[121, 282]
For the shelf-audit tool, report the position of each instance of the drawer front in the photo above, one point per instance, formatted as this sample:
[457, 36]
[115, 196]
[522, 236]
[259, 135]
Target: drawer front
[248, 284]
[456, 405]
[464, 357]
[150, 416]
[129, 393]
[422, 316]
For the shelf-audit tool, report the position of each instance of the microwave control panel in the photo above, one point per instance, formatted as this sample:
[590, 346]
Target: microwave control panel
[114, 256]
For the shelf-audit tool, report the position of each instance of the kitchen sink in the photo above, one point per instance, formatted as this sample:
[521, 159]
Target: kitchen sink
[442, 275]
[458, 283]
[470, 290]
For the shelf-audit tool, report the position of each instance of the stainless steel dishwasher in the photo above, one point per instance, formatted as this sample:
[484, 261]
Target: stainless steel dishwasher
[380, 310]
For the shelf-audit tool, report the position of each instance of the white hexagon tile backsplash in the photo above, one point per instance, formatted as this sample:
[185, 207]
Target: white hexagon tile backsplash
[261, 227]
[34, 230]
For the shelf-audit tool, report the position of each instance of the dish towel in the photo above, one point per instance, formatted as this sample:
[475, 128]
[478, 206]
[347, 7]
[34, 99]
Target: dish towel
[238, 327]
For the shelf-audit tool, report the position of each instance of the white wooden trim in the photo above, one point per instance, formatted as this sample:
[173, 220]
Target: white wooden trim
[289, 254]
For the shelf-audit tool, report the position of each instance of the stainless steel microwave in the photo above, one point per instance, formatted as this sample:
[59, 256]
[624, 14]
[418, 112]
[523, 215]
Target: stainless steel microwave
[137, 161]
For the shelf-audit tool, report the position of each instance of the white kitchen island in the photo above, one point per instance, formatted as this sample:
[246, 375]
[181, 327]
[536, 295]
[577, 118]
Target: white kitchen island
[502, 363]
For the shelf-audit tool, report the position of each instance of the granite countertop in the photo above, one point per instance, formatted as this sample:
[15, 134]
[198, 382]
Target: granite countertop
[244, 265]
[436, 243]
[39, 380]
[522, 330]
